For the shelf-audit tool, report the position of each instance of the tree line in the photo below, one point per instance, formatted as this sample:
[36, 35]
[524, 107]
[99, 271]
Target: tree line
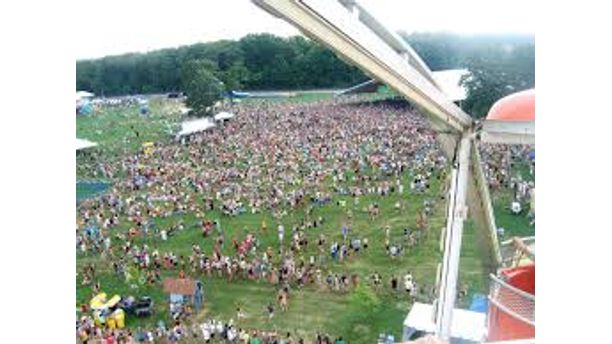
[500, 65]
[255, 62]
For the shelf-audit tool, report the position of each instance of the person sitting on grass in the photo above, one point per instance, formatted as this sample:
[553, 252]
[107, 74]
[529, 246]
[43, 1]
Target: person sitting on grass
[240, 314]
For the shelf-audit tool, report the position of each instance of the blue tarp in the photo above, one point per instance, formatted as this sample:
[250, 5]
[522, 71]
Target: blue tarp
[480, 303]
[86, 109]
[86, 189]
[532, 155]
[176, 298]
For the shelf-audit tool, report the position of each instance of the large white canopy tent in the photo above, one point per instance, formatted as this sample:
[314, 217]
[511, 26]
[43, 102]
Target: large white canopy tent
[223, 116]
[191, 127]
[467, 325]
[84, 94]
[84, 144]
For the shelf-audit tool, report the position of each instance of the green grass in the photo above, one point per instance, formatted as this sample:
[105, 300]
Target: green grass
[514, 225]
[358, 316]
[114, 129]
[474, 264]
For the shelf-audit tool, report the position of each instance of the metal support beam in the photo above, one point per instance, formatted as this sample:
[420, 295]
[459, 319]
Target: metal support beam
[456, 214]
[333, 25]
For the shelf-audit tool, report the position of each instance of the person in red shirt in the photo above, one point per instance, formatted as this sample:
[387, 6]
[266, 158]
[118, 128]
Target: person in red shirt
[110, 338]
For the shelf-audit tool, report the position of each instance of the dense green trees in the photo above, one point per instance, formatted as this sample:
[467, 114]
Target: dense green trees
[201, 85]
[496, 73]
[260, 61]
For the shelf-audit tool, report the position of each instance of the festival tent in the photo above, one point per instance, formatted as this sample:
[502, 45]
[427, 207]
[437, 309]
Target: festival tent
[84, 94]
[511, 119]
[184, 289]
[83, 102]
[84, 144]
[185, 110]
[517, 107]
[191, 127]
[467, 325]
[223, 115]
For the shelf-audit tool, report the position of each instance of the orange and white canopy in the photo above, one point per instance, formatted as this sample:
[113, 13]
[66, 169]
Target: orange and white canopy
[511, 119]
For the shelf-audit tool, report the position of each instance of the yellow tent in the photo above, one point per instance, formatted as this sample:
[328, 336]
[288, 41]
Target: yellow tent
[113, 301]
[98, 301]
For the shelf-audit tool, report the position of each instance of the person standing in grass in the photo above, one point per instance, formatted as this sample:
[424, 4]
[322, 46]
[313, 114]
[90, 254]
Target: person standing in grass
[282, 298]
[394, 283]
[270, 310]
[281, 234]
[255, 339]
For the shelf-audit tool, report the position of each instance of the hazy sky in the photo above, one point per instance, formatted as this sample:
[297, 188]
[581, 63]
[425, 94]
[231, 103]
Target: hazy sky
[114, 27]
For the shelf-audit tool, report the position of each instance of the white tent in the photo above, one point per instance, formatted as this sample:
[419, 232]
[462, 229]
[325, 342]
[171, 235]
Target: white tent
[467, 325]
[223, 115]
[84, 144]
[84, 94]
[190, 127]
[449, 81]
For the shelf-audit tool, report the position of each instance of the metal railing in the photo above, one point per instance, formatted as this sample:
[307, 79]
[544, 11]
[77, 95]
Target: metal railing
[511, 256]
[512, 301]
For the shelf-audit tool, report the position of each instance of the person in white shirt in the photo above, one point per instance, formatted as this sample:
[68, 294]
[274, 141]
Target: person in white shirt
[205, 332]
[516, 207]
[231, 334]
[281, 233]
[408, 283]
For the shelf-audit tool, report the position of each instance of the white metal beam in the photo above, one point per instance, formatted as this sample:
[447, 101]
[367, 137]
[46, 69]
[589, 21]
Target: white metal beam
[456, 214]
[333, 25]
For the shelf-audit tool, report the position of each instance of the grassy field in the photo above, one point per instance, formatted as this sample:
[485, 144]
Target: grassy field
[474, 264]
[121, 130]
[514, 225]
[358, 315]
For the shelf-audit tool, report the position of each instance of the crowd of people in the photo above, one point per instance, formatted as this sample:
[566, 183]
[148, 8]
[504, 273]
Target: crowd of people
[501, 167]
[208, 331]
[274, 158]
